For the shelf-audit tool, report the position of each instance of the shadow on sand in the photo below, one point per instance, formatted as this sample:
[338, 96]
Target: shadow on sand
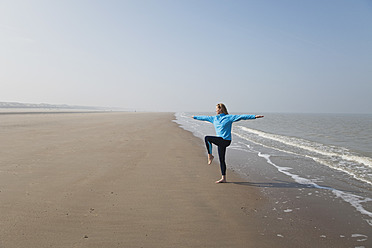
[278, 184]
[286, 184]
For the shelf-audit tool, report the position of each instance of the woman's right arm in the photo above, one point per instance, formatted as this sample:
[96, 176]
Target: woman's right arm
[203, 118]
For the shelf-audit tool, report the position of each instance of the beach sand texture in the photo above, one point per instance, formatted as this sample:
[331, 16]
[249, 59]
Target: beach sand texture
[113, 180]
[123, 180]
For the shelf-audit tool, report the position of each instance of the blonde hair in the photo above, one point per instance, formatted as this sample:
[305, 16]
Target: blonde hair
[223, 108]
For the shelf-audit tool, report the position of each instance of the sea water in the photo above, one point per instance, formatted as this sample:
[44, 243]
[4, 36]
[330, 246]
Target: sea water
[331, 152]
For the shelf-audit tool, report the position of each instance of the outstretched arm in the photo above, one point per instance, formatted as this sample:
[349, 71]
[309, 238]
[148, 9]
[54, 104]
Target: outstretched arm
[203, 118]
[235, 118]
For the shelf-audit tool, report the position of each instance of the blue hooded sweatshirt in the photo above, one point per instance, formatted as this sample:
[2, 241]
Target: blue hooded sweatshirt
[223, 123]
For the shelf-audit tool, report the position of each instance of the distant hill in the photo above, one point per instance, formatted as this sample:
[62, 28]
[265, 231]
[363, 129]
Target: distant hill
[45, 106]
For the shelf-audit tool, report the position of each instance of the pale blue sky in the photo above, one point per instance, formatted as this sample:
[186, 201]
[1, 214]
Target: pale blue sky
[255, 56]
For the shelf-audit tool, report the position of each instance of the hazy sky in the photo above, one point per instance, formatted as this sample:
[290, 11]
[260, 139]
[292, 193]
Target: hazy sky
[254, 55]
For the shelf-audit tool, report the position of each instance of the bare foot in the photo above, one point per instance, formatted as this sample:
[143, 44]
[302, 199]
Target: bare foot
[222, 180]
[210, 158]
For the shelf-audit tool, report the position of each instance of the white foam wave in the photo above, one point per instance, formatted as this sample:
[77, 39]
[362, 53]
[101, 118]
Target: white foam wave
[354, 200]
[361, 160]
[334, 157]
[345, 170]
[313, 147]
[291, 141]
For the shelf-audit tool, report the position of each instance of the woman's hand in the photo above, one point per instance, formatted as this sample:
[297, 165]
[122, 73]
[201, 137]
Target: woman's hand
[259, 116]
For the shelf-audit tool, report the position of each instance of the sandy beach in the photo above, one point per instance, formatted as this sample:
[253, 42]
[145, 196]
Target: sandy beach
[129, 180]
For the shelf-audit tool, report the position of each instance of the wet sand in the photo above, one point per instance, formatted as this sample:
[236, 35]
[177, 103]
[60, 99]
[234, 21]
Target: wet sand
[125, 180]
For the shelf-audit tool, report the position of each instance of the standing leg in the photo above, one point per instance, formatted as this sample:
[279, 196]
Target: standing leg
[221, 154]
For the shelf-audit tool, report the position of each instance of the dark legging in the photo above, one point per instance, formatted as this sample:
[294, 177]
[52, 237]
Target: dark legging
[221, 144]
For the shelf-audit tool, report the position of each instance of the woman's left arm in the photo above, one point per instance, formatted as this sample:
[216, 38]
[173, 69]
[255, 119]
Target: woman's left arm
[235, 118]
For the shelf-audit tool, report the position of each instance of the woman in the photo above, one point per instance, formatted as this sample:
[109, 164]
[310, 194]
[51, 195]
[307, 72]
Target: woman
[222, 123]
